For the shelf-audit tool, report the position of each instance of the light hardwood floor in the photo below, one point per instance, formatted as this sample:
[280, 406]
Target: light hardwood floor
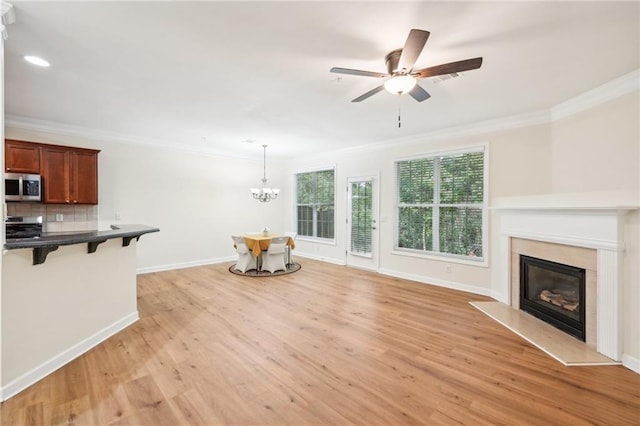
[328, 345]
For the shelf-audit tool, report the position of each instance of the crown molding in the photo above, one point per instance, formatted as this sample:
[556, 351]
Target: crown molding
[472, 129]
[35, 125]
[481, 127]
[621, 86]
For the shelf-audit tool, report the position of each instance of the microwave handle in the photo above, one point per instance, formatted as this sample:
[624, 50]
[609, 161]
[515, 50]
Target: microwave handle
[20, 189]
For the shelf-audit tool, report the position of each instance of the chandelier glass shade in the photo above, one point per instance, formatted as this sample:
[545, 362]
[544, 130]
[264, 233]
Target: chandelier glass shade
[265, 194]
[400, 84]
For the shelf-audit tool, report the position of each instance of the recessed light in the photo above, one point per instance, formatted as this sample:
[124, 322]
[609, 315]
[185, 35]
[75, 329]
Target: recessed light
[36, 61]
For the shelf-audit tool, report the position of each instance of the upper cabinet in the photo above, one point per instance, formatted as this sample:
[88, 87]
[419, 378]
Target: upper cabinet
[69, 175]
[21, 157]
[84, 177]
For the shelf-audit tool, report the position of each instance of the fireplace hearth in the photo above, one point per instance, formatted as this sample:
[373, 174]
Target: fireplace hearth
[586, 232]
[555, 293]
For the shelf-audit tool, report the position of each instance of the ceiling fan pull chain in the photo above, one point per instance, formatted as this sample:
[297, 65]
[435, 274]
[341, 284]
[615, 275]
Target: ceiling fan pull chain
[399, 111]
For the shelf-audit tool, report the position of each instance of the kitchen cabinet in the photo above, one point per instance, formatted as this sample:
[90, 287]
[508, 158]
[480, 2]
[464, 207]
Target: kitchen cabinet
[21, 157]
[69, 175]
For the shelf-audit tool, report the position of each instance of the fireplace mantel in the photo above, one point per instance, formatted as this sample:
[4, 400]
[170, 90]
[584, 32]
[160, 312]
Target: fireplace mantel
[575, 201]
[592, 220]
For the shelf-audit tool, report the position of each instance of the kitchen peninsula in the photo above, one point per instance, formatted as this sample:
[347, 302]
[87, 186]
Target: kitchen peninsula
[56, 310]
[49, 242]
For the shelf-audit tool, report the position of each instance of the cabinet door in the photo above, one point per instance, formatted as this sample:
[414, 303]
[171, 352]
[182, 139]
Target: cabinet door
[84, 178]
[21, 157]
[55, 169]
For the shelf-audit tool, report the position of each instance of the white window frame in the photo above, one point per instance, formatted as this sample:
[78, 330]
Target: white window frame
[294, 200]
[446, 257]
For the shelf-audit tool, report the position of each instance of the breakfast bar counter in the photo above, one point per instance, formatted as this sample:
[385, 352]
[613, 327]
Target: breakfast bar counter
[53, 312]
[49, 242]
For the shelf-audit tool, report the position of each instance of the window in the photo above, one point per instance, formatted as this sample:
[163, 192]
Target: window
[315, 199]
[441, 208]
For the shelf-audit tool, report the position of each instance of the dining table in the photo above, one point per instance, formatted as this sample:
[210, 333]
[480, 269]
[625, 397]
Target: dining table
[259, 243]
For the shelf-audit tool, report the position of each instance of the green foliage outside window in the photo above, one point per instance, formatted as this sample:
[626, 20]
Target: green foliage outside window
[315, 200]
[441, 204]
[361, 217]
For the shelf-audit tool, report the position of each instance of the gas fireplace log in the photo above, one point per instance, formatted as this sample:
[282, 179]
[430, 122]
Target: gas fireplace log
[548, 296]
[570, 307]
[567, 300]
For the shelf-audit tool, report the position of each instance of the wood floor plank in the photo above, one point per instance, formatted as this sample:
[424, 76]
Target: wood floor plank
[328, 345]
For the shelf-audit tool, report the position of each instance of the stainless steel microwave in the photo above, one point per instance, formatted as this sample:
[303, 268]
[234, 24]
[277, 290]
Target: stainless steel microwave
[22, 187]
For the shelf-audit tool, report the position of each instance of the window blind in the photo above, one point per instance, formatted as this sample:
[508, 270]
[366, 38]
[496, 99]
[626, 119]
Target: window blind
[315, 199]
[441, 204]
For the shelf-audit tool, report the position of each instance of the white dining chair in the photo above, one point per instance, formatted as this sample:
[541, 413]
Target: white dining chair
[274, 258]
[293, 236]
[246, 259]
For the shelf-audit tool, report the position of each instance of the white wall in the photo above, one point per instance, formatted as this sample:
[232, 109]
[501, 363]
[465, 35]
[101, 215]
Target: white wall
[599, 149]
[596, 150]
[55, 311]
[198, 201]
[519, 163]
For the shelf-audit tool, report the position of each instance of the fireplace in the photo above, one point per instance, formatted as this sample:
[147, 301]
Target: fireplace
[555, 293]
[584, 230]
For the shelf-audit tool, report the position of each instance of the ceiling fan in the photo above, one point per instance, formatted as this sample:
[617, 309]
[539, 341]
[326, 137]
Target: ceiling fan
[401, 76]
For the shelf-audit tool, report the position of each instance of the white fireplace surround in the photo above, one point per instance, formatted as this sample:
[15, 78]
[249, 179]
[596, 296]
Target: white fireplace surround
[594, 226]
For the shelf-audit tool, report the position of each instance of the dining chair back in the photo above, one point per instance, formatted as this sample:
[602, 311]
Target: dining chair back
[274, 258]
[292, 235]
[246, 259]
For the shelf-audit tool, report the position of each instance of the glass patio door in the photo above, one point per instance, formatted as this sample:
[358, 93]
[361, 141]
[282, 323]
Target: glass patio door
[362, 226]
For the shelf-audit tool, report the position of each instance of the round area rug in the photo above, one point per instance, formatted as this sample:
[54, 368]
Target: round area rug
[294, 267]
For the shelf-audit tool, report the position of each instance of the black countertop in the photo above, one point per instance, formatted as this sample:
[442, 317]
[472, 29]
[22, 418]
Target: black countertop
[50, 241]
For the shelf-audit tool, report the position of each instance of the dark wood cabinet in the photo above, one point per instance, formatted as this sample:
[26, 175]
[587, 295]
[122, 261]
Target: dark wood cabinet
[56, 171]
[84, 177]
[21, 157]
[69, 175]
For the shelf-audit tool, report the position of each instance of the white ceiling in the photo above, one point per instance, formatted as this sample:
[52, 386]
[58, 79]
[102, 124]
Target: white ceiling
[210, 75]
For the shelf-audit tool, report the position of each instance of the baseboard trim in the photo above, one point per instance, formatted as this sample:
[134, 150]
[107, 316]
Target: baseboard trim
[213, 261]
[499, 296]
[320, 258]
[438, 282]
[631, 363]
[184, 265]
[63, 358]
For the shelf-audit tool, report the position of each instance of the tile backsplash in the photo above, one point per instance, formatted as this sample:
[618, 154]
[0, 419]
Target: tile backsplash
[74, 218]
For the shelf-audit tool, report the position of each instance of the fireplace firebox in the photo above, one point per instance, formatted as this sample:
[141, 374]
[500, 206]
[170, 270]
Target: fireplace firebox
[555, 293]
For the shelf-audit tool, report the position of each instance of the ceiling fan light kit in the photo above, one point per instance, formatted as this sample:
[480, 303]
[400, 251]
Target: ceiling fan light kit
[400, 75]
[400, 84]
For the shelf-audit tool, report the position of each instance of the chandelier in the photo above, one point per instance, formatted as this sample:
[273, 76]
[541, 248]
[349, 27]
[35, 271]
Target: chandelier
[265, 194]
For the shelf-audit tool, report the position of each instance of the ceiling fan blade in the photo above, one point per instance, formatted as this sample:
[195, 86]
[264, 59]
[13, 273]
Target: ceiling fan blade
[368, 94]
[358, 72]
[412, 49]
[450, 68]
[419, 94]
